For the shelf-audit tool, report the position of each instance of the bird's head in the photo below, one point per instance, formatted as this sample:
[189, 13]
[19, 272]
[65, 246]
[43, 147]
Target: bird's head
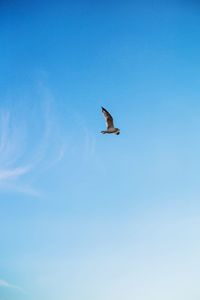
[118, 131]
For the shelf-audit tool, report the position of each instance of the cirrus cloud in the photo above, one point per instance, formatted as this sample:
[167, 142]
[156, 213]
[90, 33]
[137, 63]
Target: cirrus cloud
[6, 284]
[27, 146]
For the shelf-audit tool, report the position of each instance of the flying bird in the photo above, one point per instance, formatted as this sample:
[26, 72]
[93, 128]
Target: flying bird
[109, 123]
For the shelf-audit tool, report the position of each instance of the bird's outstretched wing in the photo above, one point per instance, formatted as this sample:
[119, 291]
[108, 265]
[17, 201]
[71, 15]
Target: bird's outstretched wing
[108, 118]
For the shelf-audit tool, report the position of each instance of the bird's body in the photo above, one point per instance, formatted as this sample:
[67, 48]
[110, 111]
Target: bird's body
[109, 123]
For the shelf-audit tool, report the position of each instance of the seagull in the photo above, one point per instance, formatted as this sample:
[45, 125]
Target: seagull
[109, 123]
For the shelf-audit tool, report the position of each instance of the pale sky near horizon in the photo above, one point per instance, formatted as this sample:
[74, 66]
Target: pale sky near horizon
[85, 216]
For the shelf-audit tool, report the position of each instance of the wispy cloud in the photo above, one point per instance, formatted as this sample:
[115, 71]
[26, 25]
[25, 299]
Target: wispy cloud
[22, 154]
[6, 284]
[89, 142]
[13, 173]
[90, 154]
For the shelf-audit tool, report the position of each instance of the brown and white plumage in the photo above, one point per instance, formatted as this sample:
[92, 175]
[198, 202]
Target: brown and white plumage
[109, 123]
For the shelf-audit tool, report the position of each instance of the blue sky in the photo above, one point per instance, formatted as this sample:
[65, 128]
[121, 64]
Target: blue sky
[89, 216]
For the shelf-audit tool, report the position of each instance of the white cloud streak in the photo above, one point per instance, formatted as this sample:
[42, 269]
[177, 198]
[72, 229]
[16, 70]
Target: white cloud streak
[13, 173]
[6, 284]
[20, 155]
